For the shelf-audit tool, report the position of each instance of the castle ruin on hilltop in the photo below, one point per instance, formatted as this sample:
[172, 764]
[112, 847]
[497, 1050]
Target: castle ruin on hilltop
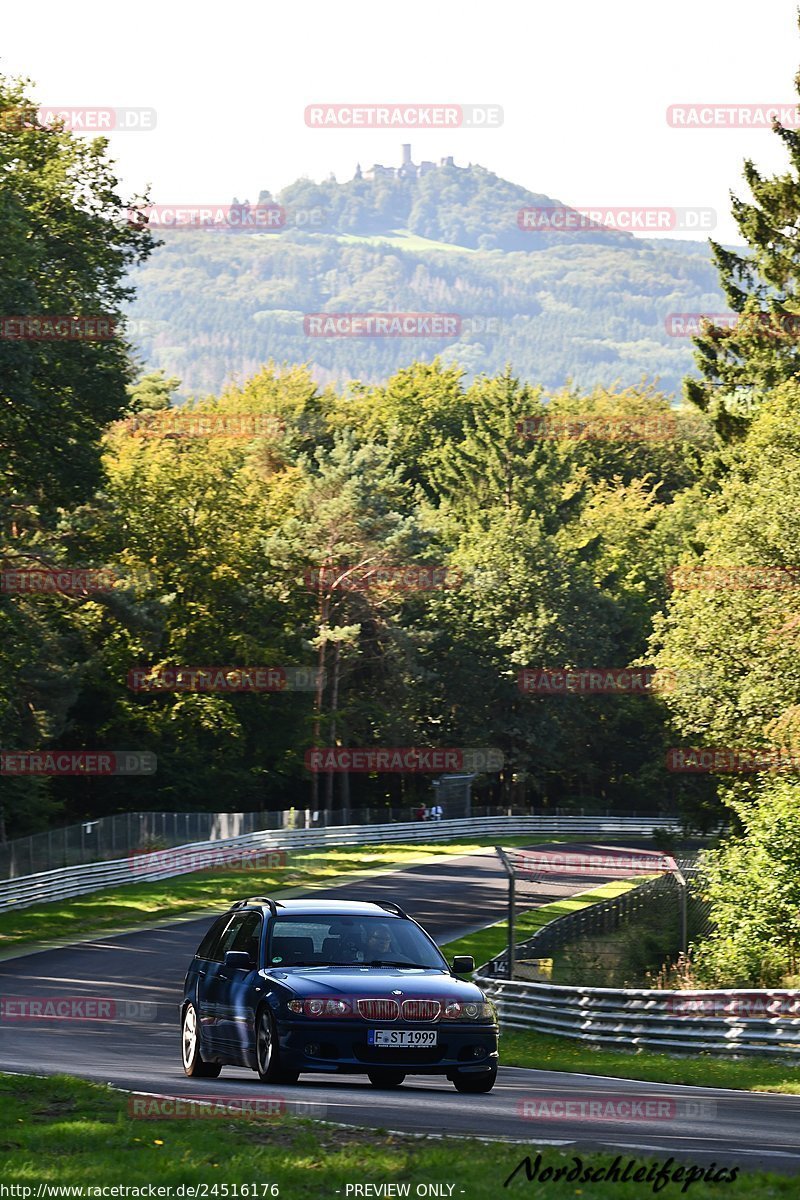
[406, 170]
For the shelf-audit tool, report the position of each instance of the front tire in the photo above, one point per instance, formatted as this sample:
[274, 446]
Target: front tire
[267, 1053]
[476, 1084]
[386, 1079]
[194, 1065]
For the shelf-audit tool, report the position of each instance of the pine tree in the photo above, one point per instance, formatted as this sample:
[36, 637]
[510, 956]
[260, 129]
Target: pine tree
[741, 365]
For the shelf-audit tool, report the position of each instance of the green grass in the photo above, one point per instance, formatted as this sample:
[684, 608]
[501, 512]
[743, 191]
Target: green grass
[144, 903]
[488, 942]
[402, 238]
[521, 1048]
[63, 1131]
[406, 240]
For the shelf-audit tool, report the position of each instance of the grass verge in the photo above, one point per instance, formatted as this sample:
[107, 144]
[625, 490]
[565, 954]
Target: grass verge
[522, 1048]
[66, 1132]
[486, 943]
[546, 1052]
[143, 903]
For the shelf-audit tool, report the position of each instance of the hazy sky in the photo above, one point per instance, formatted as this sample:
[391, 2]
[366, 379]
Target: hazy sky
[584, 88]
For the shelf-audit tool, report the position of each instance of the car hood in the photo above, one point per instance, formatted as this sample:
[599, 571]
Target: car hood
[374, 982]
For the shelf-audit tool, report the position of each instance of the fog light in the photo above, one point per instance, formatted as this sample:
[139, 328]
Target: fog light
[478, 1052]
[311, 1049]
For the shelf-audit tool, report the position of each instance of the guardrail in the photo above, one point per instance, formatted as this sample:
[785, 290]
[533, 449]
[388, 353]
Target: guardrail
[652, 1019]
[603, 916]
[101, 839]
[66, 882]
[731, 1021]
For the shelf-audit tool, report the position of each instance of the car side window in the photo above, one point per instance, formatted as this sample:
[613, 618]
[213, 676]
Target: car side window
[208, 945]
[248, 936]
[229, 936]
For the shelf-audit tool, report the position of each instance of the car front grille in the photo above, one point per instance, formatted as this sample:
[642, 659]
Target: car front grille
[421, 1010]
[379, 1010]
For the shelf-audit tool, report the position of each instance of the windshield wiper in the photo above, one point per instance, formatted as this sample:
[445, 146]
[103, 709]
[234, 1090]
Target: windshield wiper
[385, 962]
[280, 966]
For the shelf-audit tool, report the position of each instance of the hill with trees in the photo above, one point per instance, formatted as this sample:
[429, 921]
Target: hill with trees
[591, 304]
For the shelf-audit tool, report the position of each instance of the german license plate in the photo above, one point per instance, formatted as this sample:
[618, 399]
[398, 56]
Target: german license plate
[399, 1039]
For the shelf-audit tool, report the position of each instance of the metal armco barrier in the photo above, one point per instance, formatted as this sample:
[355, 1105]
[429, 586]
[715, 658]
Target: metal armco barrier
[65, 882]
[752, 1021]
[685, 1022]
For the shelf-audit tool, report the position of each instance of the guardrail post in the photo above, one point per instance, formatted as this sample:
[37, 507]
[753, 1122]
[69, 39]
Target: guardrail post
[681, 878]
[504, 859]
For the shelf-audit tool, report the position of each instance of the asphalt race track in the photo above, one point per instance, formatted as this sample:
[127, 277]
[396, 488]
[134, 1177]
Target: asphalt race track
[142, 973]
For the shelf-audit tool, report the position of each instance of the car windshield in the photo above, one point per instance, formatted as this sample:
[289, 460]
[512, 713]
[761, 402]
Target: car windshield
[336, 940]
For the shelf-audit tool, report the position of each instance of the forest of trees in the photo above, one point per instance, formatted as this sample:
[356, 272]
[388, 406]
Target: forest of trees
[589, 306]
[562, 548]
[569, 552]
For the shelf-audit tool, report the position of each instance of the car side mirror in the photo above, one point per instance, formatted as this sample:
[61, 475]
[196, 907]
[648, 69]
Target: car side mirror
[239, 959]
[463, 964]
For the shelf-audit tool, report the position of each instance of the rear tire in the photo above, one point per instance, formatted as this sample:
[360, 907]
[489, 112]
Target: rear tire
[194, 1065]
[386, 1079]
[475, 1084]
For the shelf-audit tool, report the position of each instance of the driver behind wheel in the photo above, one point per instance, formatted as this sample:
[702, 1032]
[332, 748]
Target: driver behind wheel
[379, 943]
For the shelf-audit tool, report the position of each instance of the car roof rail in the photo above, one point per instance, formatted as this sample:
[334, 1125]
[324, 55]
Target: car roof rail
[272, 904]
[391, 907]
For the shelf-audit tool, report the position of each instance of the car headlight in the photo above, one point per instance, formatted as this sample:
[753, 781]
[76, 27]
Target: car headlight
[472, 1010]
[319, 1008]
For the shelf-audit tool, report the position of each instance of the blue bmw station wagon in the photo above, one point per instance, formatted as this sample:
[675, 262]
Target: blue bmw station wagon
[286, 987]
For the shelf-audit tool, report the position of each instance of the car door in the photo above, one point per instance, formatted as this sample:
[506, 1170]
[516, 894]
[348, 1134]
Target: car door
[230, 999]
[201, 971]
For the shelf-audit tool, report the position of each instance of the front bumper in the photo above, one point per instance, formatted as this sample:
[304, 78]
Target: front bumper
[341, 1046]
